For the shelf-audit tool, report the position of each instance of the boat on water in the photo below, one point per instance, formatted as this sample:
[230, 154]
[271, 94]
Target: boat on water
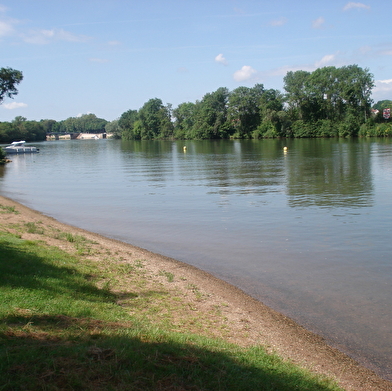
[20, 147]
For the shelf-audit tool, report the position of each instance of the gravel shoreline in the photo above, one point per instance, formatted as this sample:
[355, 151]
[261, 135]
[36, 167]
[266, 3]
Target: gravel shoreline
[263, 325]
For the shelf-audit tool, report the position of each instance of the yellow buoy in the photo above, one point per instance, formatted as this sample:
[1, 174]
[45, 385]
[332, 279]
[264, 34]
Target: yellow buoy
[184, 148]
[284, 148]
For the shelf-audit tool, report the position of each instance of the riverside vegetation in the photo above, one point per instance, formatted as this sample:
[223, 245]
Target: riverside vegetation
[74, 315]
[328, 102]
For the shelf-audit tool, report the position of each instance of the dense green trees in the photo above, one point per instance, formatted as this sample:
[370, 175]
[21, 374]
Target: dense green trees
[210, 116]
[328, 102]
[22, 129]
[244, 110]
[152, 121]
[9, 78]
[86, 123]
[113, 128]
[2, 156]
[219, 114]
[184, 119]
[383, 104]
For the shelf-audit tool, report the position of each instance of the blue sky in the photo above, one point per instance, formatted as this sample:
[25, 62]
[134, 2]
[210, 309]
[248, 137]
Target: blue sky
[108, 56]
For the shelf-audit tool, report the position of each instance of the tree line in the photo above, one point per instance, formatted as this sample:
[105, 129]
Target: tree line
[22, 129]
[328, 102]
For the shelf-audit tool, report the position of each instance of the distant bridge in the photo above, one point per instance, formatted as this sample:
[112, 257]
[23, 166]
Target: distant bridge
[74, 136]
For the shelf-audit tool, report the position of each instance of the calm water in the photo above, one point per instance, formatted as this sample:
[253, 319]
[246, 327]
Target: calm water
[308, 232]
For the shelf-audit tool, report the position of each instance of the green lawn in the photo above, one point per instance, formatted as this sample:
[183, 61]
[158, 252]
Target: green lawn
[61, 330]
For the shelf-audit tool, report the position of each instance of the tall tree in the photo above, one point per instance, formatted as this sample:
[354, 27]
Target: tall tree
[273, 118]
[90, 123]
[244, 109]
[49, 125]
[296, 96]
[184, 116]
[9, 78]
[356, 90]
[210, 119]
[329, 93]
[155, 120]
[127, 125]
[322, 92]
[86, 123]
[113, 129]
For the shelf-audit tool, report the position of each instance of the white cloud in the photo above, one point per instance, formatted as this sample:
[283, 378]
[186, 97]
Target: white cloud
[278, 22]
[99, 60]
[245, 73]
[328, 59]
[219, 58]
[42, 37]
[6, 28]
[82, 114]
[387, 53]
[382, 90]
[14, 105]
[352, 5]
[384, 85]
[114, 43]
[6, 24]
[318, 23]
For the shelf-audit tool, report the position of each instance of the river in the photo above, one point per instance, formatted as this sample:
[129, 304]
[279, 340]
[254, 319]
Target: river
[307, 231]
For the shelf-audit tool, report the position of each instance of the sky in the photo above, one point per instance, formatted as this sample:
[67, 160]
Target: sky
[109, 56]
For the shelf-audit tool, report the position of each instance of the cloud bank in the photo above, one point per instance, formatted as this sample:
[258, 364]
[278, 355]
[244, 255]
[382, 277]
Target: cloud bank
[14, 105]
[42, 37]
[245, 73]
[352, 5]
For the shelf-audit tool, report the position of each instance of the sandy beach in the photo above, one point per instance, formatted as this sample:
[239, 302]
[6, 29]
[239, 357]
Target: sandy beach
[249, 322]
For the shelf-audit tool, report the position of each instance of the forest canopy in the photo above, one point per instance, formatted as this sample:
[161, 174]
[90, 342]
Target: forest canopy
[328, 102]
[9, 79]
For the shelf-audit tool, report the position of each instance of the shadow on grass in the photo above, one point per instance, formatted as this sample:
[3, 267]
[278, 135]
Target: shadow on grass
[28, 266]
[51, 352]
[47, 342]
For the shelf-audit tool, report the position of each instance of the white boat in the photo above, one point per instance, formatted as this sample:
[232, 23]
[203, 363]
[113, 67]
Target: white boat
[20, 147]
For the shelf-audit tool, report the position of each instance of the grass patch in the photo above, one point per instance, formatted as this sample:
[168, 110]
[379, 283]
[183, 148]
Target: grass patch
[8, 209]
[62, 327]
[168, 275]
[33, 228]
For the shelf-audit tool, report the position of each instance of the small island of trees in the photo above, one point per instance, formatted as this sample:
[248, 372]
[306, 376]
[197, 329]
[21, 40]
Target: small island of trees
[328, 102]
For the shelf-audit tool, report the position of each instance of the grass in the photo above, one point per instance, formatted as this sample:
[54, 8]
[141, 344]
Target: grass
[8, 209]
[168, 275]
[66, 324]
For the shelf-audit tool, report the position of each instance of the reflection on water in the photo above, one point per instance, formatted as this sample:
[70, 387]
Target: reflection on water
[306, 231]
[341, 177]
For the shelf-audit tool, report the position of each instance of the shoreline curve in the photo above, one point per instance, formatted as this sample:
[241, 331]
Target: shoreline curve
[277, 332]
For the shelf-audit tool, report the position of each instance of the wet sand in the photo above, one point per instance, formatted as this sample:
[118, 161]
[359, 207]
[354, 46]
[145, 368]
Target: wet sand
[251, 322]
